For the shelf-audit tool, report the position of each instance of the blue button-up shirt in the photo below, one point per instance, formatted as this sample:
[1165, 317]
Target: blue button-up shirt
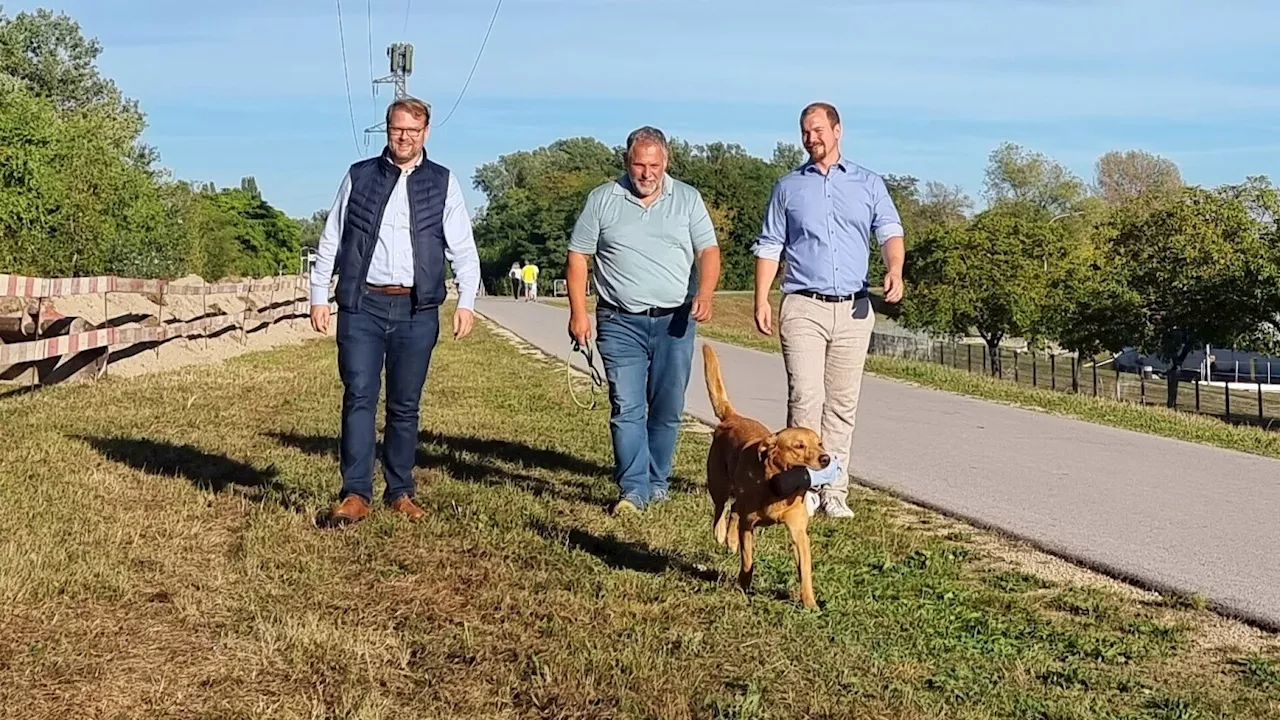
[821, 227]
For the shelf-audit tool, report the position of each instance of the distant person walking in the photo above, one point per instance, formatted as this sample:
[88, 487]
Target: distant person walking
[530, 274]
[820, 221]
[648, 233]
[398, 217]
[517, 282]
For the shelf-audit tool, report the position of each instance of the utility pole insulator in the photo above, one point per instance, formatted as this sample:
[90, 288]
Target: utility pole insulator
[400, 57]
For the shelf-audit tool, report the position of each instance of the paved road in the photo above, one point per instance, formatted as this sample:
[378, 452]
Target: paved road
[1166, 514]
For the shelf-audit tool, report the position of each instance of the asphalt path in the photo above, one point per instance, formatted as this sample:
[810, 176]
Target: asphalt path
[1165, 514]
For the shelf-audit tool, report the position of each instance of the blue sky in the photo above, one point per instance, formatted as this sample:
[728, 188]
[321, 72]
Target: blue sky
[255, 87]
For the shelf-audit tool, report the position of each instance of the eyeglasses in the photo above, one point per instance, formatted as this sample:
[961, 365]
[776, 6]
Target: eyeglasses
[411, 132]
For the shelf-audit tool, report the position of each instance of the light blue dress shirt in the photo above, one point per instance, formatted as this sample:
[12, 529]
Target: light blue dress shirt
[821, 227]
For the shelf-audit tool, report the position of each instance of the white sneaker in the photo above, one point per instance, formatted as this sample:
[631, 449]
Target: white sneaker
[836, 507]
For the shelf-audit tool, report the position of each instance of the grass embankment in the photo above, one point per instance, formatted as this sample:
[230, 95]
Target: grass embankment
[160, 560]
[734, 322]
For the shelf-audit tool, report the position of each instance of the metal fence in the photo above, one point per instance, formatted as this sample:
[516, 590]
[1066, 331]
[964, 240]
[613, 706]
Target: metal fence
[1236, 397]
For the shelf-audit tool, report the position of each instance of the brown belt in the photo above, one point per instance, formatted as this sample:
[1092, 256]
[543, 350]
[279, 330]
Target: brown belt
[389, 289]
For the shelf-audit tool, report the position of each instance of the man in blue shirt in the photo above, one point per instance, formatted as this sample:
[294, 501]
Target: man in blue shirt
[819, 223]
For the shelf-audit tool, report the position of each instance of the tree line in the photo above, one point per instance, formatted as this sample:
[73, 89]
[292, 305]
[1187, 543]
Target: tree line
[1135, 258]
[82, 194]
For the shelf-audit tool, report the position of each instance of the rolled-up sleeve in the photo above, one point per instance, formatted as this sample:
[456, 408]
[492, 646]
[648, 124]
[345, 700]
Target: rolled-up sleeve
[460, 245]
[885, 220]
[773, 231]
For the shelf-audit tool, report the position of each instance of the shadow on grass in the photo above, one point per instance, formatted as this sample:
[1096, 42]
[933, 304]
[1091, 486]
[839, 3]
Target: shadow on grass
[623, 555]
[481, 461]
[204, 470]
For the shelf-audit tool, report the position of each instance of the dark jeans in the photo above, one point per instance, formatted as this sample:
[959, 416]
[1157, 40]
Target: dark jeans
[385, 329]
[647, 361]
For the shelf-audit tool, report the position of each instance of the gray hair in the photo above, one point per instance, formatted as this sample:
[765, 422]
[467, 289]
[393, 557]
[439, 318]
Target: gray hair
[647, 135]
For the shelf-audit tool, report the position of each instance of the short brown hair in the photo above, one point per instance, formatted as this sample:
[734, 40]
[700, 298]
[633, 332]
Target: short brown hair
[415, 107]
[833, 116]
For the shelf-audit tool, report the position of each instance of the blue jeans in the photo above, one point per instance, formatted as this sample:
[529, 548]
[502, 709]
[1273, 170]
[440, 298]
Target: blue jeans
[387, 330]
[647, 361]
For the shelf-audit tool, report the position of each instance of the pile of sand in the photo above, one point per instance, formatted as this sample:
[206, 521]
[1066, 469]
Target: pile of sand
[146, 310]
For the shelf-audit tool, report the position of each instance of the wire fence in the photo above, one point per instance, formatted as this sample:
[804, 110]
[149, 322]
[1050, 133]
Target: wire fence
[1235, 397]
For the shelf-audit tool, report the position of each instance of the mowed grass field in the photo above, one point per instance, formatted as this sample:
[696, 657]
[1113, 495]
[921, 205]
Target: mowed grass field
[734, 322]
[160, 560]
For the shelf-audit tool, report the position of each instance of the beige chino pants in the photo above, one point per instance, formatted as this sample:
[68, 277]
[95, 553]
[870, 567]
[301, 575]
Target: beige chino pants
[824, 348]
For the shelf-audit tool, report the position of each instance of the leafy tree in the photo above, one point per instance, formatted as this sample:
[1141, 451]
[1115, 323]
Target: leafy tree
[74, 201]
[739, 185]
[1090, 309]
[1124, 176]
[524, 169]
[941, 204]
[1031, 181]
[311, 228]
[1205, 268]
[80, 193]
[983, 276]
[787, 157]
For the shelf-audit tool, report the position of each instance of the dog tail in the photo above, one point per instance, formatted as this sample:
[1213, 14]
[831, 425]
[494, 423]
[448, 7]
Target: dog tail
[715, 384]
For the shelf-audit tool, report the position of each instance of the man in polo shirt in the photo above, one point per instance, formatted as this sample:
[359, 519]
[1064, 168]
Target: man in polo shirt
[820, 220]
[647, 232]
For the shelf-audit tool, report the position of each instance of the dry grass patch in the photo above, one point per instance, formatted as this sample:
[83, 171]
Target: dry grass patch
[161, 560]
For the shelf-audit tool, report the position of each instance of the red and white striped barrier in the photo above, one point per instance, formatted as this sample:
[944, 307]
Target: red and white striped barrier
[33, 287]
[21, 286]
[59, 345]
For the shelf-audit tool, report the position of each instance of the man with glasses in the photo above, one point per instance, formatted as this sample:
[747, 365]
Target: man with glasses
[397, 218]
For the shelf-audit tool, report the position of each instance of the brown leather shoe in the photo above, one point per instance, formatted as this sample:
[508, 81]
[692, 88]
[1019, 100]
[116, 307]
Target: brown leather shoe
[404, 505]
[351, 509]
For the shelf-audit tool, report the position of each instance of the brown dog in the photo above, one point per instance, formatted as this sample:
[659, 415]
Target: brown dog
[744, 457]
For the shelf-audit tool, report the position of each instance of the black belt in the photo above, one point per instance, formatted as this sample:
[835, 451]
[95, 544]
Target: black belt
[651, 312]
[831, 298]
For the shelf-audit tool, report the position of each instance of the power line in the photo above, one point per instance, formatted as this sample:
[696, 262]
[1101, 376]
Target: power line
[342, 40]
[373, 87]
[484, 42]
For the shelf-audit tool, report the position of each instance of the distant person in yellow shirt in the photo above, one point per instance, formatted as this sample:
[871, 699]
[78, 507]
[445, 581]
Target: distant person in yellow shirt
[530, 275]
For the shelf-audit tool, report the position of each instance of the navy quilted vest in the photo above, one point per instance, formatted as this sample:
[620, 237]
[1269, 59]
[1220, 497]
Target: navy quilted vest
[372, 181]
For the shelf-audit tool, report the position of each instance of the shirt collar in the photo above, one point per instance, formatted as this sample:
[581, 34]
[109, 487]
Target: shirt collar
[843, 164]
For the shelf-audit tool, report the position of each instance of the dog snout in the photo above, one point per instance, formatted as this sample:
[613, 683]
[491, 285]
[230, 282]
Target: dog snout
[824, 460]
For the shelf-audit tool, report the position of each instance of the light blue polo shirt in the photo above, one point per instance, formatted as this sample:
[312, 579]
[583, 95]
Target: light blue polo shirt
[644, 256]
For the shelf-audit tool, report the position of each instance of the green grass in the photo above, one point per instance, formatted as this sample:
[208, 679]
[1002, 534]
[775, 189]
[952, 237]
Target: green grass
[734, 322]
[160, 560]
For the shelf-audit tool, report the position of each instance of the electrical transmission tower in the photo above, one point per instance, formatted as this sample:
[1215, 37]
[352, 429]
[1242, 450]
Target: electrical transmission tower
[401, 57]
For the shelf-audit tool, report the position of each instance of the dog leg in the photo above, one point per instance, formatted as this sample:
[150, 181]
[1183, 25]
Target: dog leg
[797, 525]
[747, 537]
[720, 521]
[731, 534]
